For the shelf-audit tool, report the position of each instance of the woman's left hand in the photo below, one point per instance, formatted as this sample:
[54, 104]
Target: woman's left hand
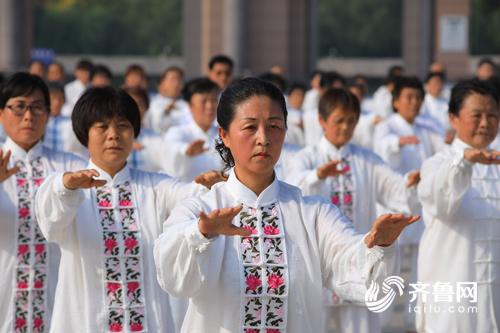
[386, 229]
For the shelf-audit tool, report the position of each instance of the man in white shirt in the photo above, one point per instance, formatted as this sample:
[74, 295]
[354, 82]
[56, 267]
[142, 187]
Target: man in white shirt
[220, 70]
[460, 197]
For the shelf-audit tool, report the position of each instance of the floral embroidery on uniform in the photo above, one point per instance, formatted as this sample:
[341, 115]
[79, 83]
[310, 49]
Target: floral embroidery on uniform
[32, 253]
[265, 272]
[123, 261]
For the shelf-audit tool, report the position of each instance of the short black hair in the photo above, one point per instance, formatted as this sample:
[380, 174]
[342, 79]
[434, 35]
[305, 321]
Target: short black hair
[201, 85]
[55, 86]
[101, 70]
[171, 69]
[139, 92]
[84, 64]
[135, 68]
[329, 78]
[275, 79]
[337, 97]
[101, 104]
[486, 61]
[464, 89]
[23, 84]
[431, 75]
[411, 82]
[296, 86]
[220, 59]
[393, 74]
[236, 93]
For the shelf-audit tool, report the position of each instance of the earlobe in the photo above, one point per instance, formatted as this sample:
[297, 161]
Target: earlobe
[224, 137]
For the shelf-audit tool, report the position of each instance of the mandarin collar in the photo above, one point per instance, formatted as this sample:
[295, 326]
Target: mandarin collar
[247, 197]
[333, 152]
[122, 175]
[19, 153]
[403, 123]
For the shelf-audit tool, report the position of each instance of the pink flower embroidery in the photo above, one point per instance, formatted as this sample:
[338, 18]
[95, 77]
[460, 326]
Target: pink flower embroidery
[23, 212]
[125, 203]
[22, 285]
[335, 200]
[253, 230]
[39, 248]
[21, 182]
[279, 259]
[110, 244]
[132, 286]
[22, 249]
[270, 230]
[245, 244]
[274, 281]
[253, 282]
[38, 284]
[116, 327]
[104, 203]
[347, 199]
[251, 330]
[38, 182]
[38, 322]
[20, 322]
[113, 287]
[346, 168]
[130, 243]
[135, 327]
[272, 330]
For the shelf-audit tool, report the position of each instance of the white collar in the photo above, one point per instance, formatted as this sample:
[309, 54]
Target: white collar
[211, 133]
[333, 152]
[19, 153]
[459, 145]
[400, 121]
[120, 177]
[246, 196]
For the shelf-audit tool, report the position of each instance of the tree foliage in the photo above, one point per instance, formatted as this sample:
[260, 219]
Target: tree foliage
[109, 27]
[360, 28]
[484, 27]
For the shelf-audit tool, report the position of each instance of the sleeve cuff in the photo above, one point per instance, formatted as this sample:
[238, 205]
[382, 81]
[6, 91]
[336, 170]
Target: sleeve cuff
[312, 178]
[460, 162]
[61, 189]
[195, 238]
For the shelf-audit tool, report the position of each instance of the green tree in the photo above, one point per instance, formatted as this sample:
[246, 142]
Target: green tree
[109, 27]
[360, 28]
[484, 27]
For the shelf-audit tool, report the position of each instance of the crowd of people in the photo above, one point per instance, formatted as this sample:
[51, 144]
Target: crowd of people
[255, 204]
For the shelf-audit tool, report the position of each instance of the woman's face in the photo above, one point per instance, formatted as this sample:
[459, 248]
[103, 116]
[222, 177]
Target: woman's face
[339, 126]
[204, 109]
[24, 118]
[477, 121]
[255, 136]
[110, 143]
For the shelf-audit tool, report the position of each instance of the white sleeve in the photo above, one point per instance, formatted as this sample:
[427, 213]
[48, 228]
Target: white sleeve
[180, 253]
[176, 160]
[444, 182]
[56, 207]
[387, 145]
[303, 173]
[348, 265]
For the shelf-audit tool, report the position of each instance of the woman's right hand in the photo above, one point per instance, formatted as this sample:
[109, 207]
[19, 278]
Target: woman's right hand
[219, 222]
[5, 172]
[82, 179]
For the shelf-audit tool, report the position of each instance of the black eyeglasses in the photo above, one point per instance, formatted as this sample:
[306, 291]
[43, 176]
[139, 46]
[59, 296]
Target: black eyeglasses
[21, 108]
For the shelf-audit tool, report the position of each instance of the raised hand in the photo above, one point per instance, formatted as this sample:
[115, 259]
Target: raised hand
[386, 229]
[5, 172]
[408, 140]
[169, 108]
[413, 178]
[218, 222]
[82, 179]
[482, 156]
[196, 148]
[330, 169]
[209, 178]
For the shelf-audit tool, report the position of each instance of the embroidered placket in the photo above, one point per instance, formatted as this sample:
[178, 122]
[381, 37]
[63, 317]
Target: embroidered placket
[342, 190]
[32, 270]
[123, 280]
[264, 271]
